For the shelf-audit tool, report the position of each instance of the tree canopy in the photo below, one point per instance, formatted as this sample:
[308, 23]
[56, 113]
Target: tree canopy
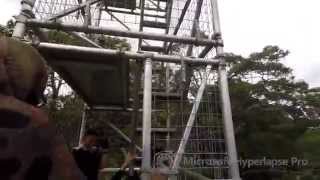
[271, 110]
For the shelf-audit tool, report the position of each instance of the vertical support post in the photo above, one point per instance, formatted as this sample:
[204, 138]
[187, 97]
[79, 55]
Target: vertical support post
[142, 3]
[228, 124]
[225, 98]
[137, 67]
[168, 18]
[168, 105]
[176, 29]
[146, 131]
[98, 19]
[190, 47]
[195, 24]
[83, 124]
[25, 13]
[87, 16]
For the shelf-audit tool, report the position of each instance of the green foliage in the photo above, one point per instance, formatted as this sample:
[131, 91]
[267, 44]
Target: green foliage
[308, 144]
[113, 43]
[102, 40]
[271, 111]
[60, 37]
[66, 115]
[312, 98]
[7, 30]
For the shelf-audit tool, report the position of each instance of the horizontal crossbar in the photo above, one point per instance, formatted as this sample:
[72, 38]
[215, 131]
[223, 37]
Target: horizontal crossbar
[119, 32]
[60, 48]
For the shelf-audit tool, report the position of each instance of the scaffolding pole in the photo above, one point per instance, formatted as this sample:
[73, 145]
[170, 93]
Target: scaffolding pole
[83, 124]
[142, 3]
[176, 29]
[85, 39]
[194, 25]
[124, 136]
[190, 47]
[73, 9]
[60, 48]
[226, 105]
[122, 23]
[146, 131]
[137, 68]
[118, 32]
[134, 13]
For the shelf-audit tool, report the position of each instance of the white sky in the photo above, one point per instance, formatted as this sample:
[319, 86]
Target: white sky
[249, 25]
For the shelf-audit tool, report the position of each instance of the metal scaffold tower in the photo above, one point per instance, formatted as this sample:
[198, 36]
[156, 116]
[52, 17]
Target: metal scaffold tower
[184, 118]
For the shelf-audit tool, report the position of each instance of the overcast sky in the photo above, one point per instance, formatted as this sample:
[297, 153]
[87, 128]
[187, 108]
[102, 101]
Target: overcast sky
[249, 25]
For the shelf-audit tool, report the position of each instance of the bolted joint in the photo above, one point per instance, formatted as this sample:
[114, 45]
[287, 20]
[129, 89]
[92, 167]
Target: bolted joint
[57, 24]
[28, 2]
[148, 56]
[27, 6]
[217, 37]
[27, 13]
[121, 53]
[222, 63]
[183, 70]
[21, 18]
[222, 60]
[197, 39]
[220, 43]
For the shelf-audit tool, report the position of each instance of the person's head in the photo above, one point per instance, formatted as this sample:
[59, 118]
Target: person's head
[90, 139]
[23, 72]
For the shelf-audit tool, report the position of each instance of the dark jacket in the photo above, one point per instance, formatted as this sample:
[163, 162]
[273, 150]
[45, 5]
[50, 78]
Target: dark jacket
[88, 161]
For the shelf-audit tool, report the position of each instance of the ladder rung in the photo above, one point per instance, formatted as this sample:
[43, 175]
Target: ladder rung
[161, 130]
[152, 48]
[154, 24]
[154, 9]
[164, 95]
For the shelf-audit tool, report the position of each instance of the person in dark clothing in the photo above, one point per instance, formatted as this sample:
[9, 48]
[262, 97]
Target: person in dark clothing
[87, 156]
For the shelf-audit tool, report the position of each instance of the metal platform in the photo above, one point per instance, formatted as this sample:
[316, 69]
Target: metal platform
[127, 4]
[100, 80]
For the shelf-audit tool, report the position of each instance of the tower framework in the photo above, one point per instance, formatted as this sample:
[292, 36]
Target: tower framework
[186, 121]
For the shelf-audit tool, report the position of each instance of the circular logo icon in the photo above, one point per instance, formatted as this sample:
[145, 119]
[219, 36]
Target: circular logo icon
[164, 159]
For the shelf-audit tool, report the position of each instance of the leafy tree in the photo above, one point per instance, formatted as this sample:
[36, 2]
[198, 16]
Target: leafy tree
[270, 109]
[7, 30]
[308, 144]
[66, 115]
[312, 100]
